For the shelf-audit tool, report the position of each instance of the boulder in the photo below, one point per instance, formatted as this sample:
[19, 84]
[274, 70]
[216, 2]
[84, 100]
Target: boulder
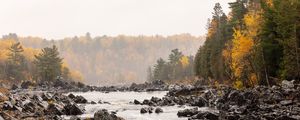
[158, 110]
[104, 115]
[287, 84]
[71, 96]
[143, 110]
[93, 102]
[187, 112]
[73, 109]
[80, 99]
[206, 116]
[199, 101]
[136, 102]
[54, 109]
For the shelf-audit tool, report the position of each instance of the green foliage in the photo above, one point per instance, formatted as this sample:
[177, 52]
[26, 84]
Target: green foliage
[48, 63]
[15, 65]
[178, 67]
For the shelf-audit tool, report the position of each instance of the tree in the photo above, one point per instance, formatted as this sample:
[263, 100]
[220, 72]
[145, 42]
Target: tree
[160, 70]
[48, 63]
[15, 65]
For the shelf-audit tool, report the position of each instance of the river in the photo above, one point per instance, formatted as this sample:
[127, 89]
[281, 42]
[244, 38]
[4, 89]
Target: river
[120, 102]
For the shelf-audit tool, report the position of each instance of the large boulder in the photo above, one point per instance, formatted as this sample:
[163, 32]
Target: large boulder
[80, 99]
[158, 110]
[187, 112]
[104, 115]
[73, 109]
[54, 109]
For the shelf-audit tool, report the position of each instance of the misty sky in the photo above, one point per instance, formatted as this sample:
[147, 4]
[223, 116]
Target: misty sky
[55, 19]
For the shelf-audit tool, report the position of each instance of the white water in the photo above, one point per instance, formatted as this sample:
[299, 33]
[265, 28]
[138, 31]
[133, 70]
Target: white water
[120, 103]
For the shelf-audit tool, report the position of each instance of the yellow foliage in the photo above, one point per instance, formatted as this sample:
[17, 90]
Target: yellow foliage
[76, 75]
[241, 48]
[184, 60]
[253, 79]
[238, 85]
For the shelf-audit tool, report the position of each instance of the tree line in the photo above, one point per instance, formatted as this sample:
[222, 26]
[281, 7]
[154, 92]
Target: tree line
[257, 43]
[19, 64]
[177, 67]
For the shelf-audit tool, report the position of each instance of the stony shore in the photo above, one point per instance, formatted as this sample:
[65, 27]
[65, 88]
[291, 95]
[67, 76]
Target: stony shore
[280, 102]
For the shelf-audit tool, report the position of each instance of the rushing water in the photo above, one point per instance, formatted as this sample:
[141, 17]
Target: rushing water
[120, 102]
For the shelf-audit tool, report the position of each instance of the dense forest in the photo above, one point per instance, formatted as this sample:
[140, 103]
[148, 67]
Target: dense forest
[105, 60]
[19, 64]
[257, 43]
[177, 68]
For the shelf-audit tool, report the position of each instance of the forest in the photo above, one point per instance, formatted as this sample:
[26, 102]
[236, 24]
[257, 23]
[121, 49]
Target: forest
[105, 60]
[258, 43]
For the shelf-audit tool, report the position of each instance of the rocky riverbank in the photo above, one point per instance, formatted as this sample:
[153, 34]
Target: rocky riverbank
[226, 103]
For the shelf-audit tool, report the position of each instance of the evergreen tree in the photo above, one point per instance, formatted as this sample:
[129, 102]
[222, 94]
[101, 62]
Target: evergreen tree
[15, 64]
[48, 63]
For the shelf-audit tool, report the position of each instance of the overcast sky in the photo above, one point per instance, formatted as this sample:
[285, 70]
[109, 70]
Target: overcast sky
[55, 19]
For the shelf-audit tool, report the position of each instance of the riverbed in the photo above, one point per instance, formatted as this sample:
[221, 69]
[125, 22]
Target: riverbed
[120, 102]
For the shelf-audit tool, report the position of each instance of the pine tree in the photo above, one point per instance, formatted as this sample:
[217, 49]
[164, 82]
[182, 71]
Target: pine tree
[15, 64]
[48, 63]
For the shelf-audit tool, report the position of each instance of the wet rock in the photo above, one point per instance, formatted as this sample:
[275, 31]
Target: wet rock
[235, 97]
[7, 105]
[287, 84]
[73, 109]
[93, 102]
[158, 110]
[71, 96]
[206, 115]
[26, 84]
[146, 102]
[136, 102]
[187, 112]
[199, 101]
[104, 115]
[54, 109]
[46, 96]
[143, 110]
[80, 99]
[14, 87]
[286, 102]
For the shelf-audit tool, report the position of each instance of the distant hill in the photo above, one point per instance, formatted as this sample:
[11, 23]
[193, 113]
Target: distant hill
[115, 60]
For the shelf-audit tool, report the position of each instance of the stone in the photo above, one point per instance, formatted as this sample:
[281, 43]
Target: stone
[187, 112]
[158, 110]
[80, 99]
[73, 109]
[136, 102]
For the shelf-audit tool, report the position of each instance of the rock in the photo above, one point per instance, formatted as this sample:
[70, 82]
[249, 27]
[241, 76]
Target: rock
[26, 84]
[71, 96]
[80, 99]
[286, 102]
[158, 110]
[73, 109]
[3, 97]
[285, 117]
[104, 115]
[75, 118]
[199, 101]
[287, 84]
[93, 102]
[206, 115]
[54, 109]
[143, 110]
[187, 112]
[235, 97]
[37, 98]
[14, 87]
[150, 109]
[7, 105]
[146, 102]
[136, 102]
[46, 96]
